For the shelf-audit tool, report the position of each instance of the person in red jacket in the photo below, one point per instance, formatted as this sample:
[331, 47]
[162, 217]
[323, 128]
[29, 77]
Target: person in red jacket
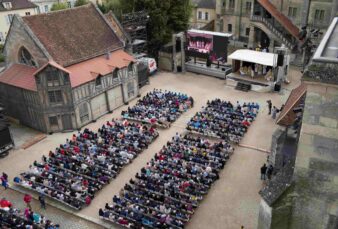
[5, 203]
[28, 199]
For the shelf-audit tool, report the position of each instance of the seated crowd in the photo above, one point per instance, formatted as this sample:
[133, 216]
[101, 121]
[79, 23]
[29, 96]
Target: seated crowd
[11, 217]
[224, 120]
[159, 107]
[168, 189]
[76, 170]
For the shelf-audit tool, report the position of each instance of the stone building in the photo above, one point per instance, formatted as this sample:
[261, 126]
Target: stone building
[303, 194]
[65, 69]
[203, 13]
[272, 22]
[7, 10]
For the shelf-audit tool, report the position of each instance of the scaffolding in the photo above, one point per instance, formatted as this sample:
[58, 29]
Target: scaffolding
[135, 24]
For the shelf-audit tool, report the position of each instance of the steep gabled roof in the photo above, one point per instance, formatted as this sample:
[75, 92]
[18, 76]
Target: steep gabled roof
[74, 35]
[17, 5]
[19, 75]
[287, 116]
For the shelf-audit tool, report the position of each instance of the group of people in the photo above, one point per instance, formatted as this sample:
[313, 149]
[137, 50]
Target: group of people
[224, 120]
[76, 170]
[159, 107]
[266, 172]
[11, 217]
[165, 193]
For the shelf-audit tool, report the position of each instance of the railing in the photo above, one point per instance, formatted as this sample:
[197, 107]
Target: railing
[268, 24]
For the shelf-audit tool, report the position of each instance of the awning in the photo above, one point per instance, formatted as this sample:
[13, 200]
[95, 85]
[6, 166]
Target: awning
[288, 116]
[263, 58]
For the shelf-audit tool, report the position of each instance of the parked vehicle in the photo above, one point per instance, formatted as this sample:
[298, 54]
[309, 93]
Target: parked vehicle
[148, 61]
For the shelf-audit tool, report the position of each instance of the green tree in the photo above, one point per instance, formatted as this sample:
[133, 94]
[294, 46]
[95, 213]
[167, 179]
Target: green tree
[59, 6]
[80, 2]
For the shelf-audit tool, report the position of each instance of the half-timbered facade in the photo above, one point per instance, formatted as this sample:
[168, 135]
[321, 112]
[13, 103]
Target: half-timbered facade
[65, 69]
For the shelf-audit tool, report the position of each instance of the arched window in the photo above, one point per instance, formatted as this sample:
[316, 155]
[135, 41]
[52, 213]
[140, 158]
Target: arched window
[26, 58]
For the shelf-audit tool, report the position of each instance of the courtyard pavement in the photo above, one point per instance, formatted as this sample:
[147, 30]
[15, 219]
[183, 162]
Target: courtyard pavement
[233, 200]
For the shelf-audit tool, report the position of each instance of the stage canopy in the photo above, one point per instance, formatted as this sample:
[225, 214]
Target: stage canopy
[263, 58]
[210, 33]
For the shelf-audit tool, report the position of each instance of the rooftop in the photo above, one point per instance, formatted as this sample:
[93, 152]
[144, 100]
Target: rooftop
[17, 5]
[205, 4]
[19, 75]
[74, 35]
[327, 50]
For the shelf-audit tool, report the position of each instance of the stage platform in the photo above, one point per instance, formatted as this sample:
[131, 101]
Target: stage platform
[258, 83]
[213, 70]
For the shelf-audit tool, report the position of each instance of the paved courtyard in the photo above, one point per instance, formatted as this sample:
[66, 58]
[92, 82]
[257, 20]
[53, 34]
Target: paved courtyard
[233, 200]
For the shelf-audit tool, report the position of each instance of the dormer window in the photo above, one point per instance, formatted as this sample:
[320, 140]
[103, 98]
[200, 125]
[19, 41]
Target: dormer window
[7, 5]
[98, 81]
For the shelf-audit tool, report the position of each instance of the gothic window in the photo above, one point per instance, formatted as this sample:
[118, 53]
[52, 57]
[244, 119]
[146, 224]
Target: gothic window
[25, 57]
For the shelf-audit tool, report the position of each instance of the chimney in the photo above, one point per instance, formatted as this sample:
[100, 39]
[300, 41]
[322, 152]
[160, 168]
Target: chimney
[108, 55]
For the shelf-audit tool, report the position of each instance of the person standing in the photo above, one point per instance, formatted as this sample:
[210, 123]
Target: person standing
[42, 201]
[269, 105]
[274, 112]
[4, 180]
[28, 199]
[263, 171]
[269, 171]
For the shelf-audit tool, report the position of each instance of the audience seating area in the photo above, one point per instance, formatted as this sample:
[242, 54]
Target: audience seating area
[170, 187]
[78, 169]
[222, 119]
[160, 108]
[11, 217]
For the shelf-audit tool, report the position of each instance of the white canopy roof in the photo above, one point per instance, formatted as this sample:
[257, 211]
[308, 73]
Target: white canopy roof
[210, 33]
[263, 58]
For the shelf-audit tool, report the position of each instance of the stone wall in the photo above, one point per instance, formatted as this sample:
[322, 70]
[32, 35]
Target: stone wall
[18, 37]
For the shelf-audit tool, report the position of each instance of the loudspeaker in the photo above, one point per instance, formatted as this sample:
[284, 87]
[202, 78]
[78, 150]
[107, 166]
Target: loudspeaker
[280, 60]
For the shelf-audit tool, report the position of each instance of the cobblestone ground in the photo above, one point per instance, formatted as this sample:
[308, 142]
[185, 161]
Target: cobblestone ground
[65, 220]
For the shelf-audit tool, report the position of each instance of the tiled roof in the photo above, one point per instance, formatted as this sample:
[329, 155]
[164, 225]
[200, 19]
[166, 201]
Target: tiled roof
[205, 4]
[116, 25]
[88, 70]
[280, 17]
[19, 75]
[17, 5]
[74, 35]
[287, 116]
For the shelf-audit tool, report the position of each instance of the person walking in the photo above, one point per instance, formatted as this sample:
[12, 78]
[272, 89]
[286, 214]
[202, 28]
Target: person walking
[28, 199]
[42, 201]
[263, 171]
[269, 105]
[4, 180]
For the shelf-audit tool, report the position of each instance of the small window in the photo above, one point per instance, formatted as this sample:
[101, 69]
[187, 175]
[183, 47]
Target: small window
[231, 4]
[55, 96]
[223, 3]
[247, 31]
[199, 15]
[206, 16]
[28, 13]
[9, 18]
[319, 15]
[229, 28]
[115, 74]
[98, 81]
[69, 4]
[53, 79]
[53, 121]
[292, 12]
[130, 87]
[46, 8]
[248, 7]
[7, 5]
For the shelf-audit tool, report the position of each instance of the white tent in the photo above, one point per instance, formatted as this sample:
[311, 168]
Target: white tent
[263, 58]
